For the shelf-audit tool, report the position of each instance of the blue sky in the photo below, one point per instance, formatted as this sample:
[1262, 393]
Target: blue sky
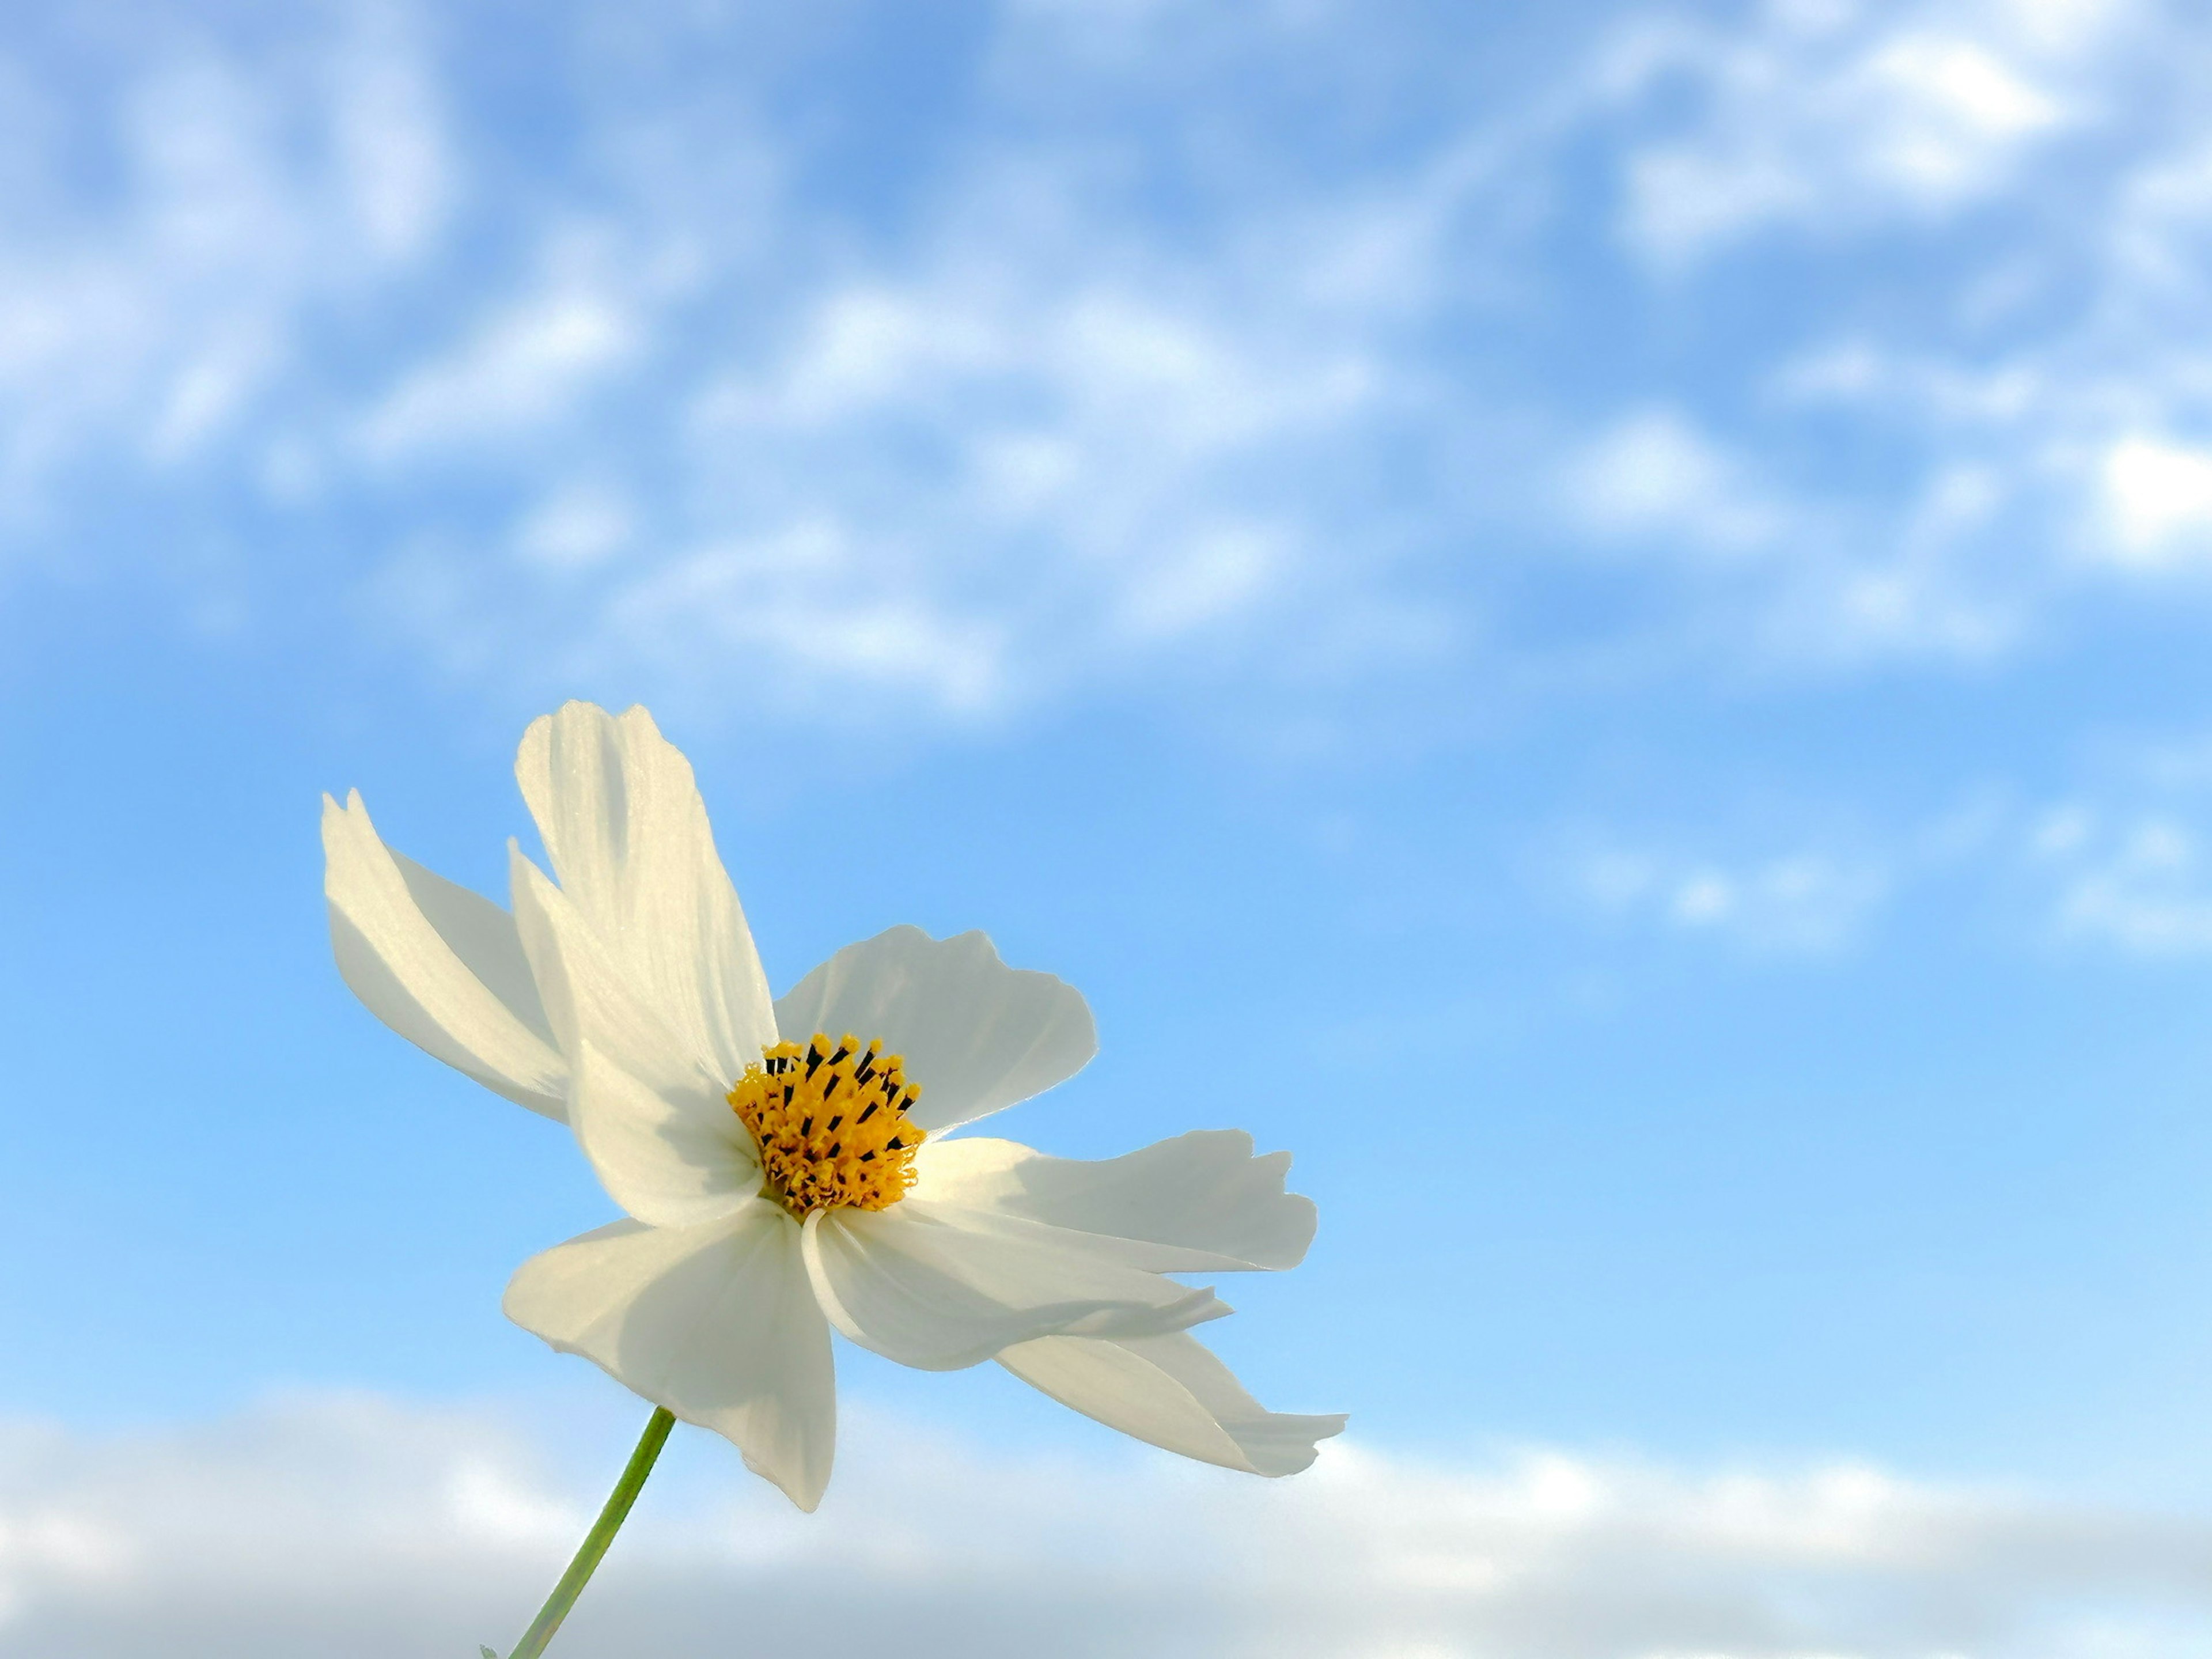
[1593, 617]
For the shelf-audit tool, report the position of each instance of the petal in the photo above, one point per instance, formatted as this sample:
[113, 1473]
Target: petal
[622, 823]
[1201, 1200]
[656, 1125]
[591, 995]
[670, 1160]
[917, 1286]
[975, 1034]
[1170, 1392]
[716, 1323]
[435, 962]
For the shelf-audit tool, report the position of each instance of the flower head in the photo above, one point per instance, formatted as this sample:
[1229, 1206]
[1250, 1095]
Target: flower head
[785, 1165]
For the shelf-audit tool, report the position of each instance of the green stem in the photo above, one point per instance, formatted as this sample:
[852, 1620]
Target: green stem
[596, 1541]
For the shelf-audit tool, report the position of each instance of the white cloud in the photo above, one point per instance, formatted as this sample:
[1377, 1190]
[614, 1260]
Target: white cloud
[252, 186]
[1809, 902]
[1220, 570]
[522, 369]
[1828, 118]
[2142, 883]
[608, 422]
[1655, 474]
[806, 606]
[2050, 349]
[575, 527]
[1015, 468]
[2038, 170]
[2124, 864]
[349, 1526]
[1160, 387]
[2158, 498]
[394, 154]
[1956, 110]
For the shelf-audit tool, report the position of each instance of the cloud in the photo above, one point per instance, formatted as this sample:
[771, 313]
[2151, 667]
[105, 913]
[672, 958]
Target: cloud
[809, 605]
[1118, 371]
[1808, 902]
[1033, 451]
[2121, 863]
[2039, 171]
[350, 1525]
[1823, 118]
[1655, 474]
[575, 526]
[2158, 498]
[394, 163]
[521, 370]
[2142, 883]
[249, 185]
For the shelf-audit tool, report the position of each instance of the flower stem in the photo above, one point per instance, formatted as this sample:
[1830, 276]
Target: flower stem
[596, 1541]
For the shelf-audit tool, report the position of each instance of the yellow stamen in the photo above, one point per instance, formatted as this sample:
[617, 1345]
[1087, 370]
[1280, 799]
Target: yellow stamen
[831, 1122]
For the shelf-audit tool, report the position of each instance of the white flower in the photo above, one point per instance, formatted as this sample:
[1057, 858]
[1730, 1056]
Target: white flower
[775, 1191]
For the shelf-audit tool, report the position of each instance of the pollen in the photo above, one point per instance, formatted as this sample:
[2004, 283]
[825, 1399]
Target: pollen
[831, 1122]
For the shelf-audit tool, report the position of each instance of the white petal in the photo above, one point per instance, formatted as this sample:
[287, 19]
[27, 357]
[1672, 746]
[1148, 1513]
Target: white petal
[628, 834]
[715, 1323]
[1201, 1201]
[590, 995]
[656, 1124]
[975, 1034]
[1170, 1392]
[917, 1286]
[435, 962]
[673, 1160]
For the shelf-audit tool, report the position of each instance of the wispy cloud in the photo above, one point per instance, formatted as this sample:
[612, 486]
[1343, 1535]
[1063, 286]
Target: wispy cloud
[1654, 474]
[2121, 863]
[520, 372]
[2157, 501]
[249, 185]
[2141, 882]
[1108, 371]
[1811, 901]
[1827, 117]
[356, 1526]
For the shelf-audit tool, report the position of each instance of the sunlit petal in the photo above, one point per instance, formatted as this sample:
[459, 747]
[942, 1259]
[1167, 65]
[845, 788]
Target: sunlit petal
[1171, 1392]
[620, 814]
[1201, 1200]
[438, 965]
[918, 1285]
[976, 1035]
[716, 1323]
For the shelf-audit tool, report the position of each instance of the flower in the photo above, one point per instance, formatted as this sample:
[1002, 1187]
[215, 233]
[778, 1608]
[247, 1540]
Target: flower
[785, 1164]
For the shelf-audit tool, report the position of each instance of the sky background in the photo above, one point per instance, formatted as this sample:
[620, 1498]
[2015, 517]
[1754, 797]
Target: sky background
[1595, 617]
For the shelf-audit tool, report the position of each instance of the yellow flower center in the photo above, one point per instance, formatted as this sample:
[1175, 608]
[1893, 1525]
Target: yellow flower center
[831, 1122]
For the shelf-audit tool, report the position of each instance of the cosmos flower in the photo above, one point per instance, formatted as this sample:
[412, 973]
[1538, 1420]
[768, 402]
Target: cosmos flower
[788, 1166]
